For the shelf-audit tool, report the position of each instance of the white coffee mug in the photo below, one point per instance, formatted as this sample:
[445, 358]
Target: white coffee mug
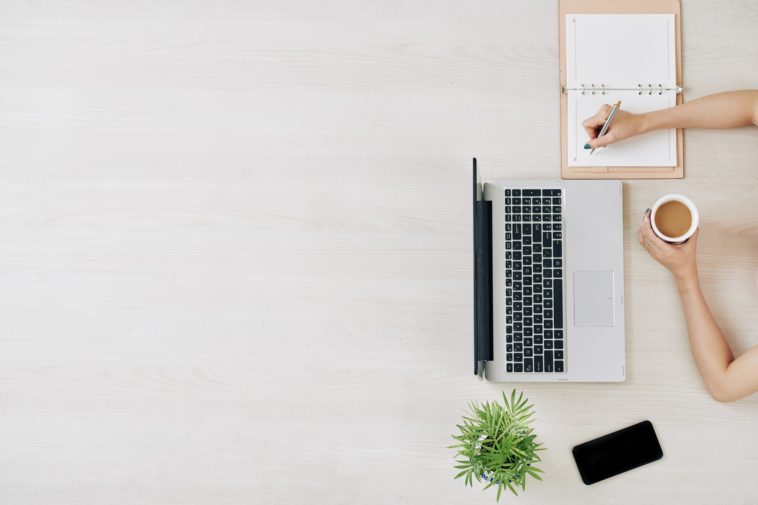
[693, 213]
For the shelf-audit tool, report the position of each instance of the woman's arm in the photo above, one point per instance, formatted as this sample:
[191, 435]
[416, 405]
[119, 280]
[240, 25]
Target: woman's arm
[723, 110]
[726, 378]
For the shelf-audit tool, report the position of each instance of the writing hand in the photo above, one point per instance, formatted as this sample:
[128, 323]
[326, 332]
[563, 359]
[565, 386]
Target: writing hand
[624, 125]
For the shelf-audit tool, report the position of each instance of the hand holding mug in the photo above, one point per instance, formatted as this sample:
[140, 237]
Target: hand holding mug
[669, 233]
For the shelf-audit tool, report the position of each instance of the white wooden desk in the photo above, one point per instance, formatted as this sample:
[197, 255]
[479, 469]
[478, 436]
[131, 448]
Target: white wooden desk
[235, 253]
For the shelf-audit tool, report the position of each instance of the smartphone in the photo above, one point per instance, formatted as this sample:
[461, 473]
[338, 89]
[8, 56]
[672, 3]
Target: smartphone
[617, 452]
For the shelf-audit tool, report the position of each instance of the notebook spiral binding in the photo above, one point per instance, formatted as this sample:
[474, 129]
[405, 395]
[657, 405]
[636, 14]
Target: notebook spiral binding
[641, 89]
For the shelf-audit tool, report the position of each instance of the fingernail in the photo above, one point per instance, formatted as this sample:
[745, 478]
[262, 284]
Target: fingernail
[647, 211]
[587, 146]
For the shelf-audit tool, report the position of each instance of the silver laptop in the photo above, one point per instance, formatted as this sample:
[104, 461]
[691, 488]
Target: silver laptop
[549, 280]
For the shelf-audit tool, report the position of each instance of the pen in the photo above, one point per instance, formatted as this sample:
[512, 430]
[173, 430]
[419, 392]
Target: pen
[607, 124]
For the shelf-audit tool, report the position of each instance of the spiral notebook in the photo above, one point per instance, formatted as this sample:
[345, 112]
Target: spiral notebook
[630, 57]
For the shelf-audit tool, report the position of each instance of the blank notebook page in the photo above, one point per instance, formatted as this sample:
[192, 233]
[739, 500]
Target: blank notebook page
[633, 56]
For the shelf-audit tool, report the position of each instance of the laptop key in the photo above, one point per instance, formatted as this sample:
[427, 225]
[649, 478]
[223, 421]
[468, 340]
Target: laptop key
[538, 363]
[548, 365]
[559, 366]
[528, 352]
[518, 367]
[509, 356]
[558, 302]
[518, 347]
[537, 349]
[509, 367]
[559, 344]
[528, 342]
[548, 344]
[528, 367]
[557, 354]
[518, 357]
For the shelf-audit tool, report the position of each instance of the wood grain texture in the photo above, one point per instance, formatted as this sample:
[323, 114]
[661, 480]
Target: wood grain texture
[235, 259]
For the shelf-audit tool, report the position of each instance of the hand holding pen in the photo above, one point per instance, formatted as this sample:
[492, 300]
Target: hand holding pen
[623, 125]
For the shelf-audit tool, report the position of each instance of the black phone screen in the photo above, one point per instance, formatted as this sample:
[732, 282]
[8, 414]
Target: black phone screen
[617, 452]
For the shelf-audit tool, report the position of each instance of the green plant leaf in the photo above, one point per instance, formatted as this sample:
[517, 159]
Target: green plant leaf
[496, 440]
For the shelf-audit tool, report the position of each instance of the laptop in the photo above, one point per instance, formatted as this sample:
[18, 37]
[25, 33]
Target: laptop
[548, 280]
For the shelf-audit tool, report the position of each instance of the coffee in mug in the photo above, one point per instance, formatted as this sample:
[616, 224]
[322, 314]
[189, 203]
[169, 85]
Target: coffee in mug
[674, 218]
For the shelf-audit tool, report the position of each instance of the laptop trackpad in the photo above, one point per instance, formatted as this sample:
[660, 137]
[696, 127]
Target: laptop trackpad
[593, 298]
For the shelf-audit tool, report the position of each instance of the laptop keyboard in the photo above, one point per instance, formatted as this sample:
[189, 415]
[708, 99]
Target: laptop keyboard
[534, 332]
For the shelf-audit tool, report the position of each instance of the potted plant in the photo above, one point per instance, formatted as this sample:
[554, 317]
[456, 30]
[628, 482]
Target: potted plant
[496, 444]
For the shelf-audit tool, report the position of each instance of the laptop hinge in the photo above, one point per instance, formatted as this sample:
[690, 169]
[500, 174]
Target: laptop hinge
[482, 278]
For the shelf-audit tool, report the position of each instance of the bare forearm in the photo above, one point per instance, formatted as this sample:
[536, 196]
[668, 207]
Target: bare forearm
[709, 348]
[723, 110]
